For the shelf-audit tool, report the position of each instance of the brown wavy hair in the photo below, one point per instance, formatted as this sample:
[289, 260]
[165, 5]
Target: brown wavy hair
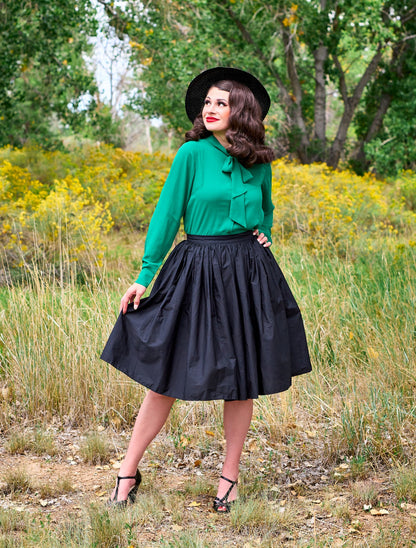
[246, 130]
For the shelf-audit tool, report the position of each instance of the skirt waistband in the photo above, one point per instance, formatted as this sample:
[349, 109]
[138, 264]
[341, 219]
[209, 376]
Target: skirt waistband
[227, 238]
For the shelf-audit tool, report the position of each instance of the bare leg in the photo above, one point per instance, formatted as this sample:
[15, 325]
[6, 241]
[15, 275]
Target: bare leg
[237, 419]
[152, 416]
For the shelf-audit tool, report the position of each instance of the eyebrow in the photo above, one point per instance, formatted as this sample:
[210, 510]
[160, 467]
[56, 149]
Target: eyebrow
[219, 99]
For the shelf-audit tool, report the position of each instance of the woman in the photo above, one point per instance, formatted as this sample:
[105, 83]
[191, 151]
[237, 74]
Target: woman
[220, 322]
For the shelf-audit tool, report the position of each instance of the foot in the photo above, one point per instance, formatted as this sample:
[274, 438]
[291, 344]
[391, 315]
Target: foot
[226, 495]
[125, 489]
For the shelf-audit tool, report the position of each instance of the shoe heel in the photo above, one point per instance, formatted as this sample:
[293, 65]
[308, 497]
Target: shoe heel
[131, 495]
[133, 491]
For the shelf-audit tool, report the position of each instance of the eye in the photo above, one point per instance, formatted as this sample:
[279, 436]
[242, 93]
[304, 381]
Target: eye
[206, 102]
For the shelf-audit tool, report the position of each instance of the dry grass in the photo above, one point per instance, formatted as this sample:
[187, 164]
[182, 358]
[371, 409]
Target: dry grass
[365, 492]
[39, 442]
[95, 449]
[16, 481]
[404, 481]
[52, 490]
[356, 409]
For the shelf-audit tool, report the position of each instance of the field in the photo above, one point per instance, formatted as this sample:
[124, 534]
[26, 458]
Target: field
[329, 463]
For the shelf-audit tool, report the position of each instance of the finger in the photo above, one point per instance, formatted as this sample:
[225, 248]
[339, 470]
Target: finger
[256, 231]
[267, 244]
[136, 302]
[124, 303]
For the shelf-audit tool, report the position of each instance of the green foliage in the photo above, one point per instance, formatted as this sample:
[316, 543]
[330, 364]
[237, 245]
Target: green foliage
[43, 77]
[50, 201]
[280, 42]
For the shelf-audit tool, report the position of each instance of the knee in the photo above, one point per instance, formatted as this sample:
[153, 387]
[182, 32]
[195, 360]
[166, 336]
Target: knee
[155, 397]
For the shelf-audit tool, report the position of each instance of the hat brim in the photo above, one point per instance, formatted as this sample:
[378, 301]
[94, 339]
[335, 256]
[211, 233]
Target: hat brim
[200, 85]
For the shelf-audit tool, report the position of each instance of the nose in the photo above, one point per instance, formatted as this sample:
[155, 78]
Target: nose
[212, 109]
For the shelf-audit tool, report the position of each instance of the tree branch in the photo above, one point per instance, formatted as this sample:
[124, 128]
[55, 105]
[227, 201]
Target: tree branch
[248, 38]
[350, 106]
[342, 81]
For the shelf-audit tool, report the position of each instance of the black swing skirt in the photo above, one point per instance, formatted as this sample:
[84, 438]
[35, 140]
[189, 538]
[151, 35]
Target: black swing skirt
[219, 323]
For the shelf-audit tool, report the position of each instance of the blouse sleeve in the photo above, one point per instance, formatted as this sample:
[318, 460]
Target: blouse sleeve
[267, 204]
[168, 213]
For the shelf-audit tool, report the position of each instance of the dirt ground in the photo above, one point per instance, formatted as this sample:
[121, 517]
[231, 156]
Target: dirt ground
[329, 503]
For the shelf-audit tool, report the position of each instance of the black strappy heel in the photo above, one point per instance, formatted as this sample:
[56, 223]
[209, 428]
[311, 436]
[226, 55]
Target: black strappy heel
[131, 495]
[223, 505]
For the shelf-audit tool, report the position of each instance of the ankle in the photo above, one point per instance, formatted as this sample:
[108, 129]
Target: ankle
[227, 485]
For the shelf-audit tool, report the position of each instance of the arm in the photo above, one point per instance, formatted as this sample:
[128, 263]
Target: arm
[267, 204]
[165, 222]
[168, 213]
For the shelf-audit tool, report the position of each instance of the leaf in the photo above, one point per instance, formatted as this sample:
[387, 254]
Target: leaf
[209, 433]
[193, 504]
[252, 446]
[176, 527]
[379, 512]
[407, 506]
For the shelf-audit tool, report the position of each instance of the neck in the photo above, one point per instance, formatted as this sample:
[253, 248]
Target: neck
[221, 138]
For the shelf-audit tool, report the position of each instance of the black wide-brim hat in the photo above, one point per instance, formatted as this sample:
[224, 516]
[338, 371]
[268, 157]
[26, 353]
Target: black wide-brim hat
[198, 88]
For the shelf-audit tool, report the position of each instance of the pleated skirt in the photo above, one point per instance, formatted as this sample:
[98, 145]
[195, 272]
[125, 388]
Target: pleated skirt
[219, 323]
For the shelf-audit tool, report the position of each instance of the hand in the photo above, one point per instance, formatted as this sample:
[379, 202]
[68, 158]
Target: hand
[262, 239]
[133, 294]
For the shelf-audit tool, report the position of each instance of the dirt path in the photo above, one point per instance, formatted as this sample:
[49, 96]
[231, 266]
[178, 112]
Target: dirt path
[328, 506]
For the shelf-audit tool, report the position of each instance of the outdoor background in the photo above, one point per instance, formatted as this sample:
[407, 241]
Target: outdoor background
[91, 114]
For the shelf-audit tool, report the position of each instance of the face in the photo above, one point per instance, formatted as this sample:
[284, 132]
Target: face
[216, 111]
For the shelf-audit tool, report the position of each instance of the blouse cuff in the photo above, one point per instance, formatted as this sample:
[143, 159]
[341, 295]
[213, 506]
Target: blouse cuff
[145, 277]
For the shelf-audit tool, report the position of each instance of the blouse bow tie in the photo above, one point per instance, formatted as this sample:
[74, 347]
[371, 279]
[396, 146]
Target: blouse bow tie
[239, 176]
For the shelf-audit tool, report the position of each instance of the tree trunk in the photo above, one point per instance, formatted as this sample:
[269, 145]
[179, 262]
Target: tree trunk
[350, 105]
[358, 156]
[320, 55]
[396, 67]
[299, 121]
[147, 125]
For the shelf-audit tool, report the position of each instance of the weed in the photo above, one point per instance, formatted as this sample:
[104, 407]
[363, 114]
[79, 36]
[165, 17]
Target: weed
[358, 467]
[404, 482]
[199, 486]
[18, 443]
[365, 492]
[189, 539]
[43, 443]
[95, 449]
[342, 511]
[12, 521]
[16, 480]
[258, 516]
[48, 490]
[106, 529]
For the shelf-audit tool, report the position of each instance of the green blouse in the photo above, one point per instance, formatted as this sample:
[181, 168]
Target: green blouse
[213, 193]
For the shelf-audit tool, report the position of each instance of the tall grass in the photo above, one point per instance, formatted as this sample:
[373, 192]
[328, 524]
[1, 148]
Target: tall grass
[360, 321]
[346, 245]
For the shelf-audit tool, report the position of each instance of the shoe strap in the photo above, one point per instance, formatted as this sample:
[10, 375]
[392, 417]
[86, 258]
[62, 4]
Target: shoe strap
[230, 481]
[233, 483]
[119, 478]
